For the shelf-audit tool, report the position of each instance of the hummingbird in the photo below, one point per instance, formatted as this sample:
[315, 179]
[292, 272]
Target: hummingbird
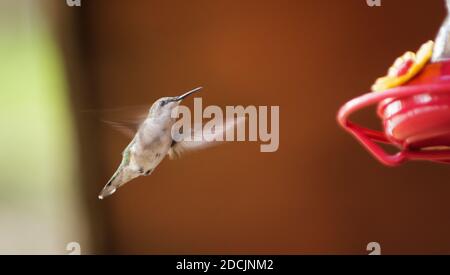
[153, 142]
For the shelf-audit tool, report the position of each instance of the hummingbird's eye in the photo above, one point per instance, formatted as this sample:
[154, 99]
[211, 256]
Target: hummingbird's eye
[162, 103]
[141, 170]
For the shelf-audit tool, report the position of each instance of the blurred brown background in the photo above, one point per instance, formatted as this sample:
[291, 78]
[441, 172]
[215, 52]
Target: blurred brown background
[320, 193]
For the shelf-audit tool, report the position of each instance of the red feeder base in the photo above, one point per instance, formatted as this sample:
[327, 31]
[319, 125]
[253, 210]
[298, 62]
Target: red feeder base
[416, 118]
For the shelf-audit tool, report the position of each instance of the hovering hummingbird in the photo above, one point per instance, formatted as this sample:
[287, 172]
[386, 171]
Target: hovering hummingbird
[153, 141]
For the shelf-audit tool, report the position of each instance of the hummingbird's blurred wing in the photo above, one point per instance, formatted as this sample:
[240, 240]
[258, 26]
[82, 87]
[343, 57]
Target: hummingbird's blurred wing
[123, 119]
[126, 127]
[201, 140]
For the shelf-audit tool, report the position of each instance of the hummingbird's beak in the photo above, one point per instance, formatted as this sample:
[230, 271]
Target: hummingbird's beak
[181, 97]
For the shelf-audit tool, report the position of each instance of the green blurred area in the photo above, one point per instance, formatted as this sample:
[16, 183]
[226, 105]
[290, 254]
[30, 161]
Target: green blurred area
[36, 138]
[38, 196]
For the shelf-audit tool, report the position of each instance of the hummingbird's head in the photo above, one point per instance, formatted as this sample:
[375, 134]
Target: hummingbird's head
[163, 107]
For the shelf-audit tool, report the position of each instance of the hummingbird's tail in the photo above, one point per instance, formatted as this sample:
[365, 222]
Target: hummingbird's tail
[108, 190]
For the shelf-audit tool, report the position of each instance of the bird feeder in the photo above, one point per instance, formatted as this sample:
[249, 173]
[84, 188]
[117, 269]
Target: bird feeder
[413, 103]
